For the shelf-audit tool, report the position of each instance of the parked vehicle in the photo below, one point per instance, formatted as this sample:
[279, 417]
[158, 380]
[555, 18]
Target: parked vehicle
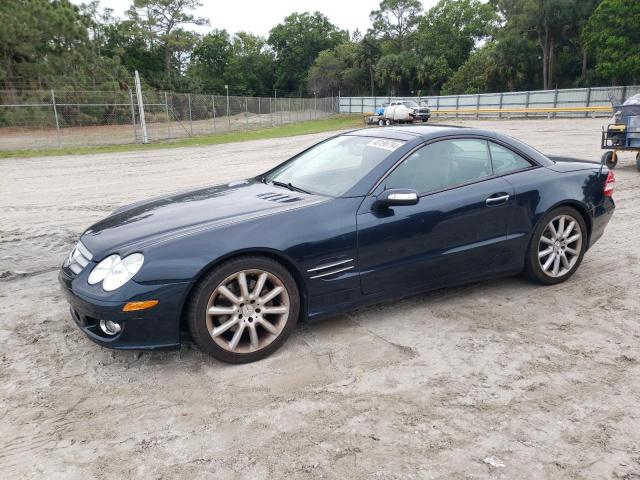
[416, 112]
[399, 111]
[360, 218]
[624, 134]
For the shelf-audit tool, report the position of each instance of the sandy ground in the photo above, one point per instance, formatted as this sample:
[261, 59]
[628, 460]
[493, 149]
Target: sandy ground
[540, 382]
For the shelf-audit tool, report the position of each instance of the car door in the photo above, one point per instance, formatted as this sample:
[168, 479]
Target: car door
[453, 233]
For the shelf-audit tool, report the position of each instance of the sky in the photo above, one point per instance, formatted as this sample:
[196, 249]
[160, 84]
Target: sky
[259, 17]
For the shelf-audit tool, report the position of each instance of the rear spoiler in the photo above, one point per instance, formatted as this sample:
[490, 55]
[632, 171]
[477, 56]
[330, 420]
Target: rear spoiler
[558, 158]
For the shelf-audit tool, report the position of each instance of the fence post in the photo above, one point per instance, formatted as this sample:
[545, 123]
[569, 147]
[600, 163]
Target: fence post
[457, 104]
[246, 113]
[270, 112]
[166, 111]
[500, 106]
[477, 106]
[350, 105]
[133, 117]
[259, 112]
[143, 123]
[289, 109]
[190, 117]
[526, 105]
[228, 116]
[213, 106]
[624, 94]
[55, 116]
[586, 114]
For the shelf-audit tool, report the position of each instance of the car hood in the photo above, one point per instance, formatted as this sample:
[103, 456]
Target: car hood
[141, 224]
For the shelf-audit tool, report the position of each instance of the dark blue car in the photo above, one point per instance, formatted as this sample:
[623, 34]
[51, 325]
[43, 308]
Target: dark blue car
[359, 218]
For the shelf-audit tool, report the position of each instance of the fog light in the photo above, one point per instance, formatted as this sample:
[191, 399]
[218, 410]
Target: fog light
[110, 327]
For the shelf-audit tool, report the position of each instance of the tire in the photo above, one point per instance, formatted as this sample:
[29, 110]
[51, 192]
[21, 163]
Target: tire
[381, 122]
[425, 120]
[387, 122]
[248, 315]
[610, 159]
[573, 251]
[638, 161]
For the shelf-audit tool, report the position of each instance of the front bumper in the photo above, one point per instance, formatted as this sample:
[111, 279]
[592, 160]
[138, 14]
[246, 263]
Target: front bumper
[421, 116]
[155, 329]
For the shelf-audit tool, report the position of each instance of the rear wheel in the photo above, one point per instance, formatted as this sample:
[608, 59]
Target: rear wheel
[244, 309]
[387, 122]
[610, 159]
[557, 246]
[381, 122]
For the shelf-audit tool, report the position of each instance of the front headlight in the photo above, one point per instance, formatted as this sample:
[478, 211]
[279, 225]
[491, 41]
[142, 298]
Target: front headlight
[114, 272]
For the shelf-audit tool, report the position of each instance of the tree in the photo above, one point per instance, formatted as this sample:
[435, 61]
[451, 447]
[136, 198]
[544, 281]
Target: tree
[338, 70]
[613, 35]
[367, 57]
[551, 23]
[395, 68]
[446, 36]
[395, 21]
[297, 42]
[209, 59]
[43, 42]
[162, 20]
[250, 68]
[325, 75]
[479, 74]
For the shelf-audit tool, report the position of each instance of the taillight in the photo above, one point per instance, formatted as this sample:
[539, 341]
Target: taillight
[609, 184]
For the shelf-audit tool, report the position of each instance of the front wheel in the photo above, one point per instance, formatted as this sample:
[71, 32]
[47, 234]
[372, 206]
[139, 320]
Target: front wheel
[244, 309]
[557, 246]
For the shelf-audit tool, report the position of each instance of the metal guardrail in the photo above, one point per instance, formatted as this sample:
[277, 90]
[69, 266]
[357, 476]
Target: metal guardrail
[561, 102]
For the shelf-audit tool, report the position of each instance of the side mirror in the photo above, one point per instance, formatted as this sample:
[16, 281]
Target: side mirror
[396, 197]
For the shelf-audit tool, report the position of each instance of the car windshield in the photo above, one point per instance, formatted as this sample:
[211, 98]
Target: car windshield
[334, 166]
[411, 103]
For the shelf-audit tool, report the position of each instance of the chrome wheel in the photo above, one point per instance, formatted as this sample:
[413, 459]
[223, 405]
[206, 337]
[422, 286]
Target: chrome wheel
[247, 311]
[560, 246]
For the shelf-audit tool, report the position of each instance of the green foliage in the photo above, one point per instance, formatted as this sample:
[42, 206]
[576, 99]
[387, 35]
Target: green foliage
[613, 35]
[457, 46]
[296, 43]
[480, 73]
[446, 36]
[395, 22]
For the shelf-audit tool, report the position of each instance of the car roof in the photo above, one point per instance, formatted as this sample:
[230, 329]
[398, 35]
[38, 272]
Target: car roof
[425, 132]
[430, 132]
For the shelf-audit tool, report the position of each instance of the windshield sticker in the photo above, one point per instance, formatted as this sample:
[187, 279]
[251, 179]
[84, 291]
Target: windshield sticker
[390, 145]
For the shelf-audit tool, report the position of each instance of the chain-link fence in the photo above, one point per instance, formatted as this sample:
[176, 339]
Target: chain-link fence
[52, 118]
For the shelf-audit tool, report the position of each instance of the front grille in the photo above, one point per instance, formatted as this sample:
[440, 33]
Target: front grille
[78, 258]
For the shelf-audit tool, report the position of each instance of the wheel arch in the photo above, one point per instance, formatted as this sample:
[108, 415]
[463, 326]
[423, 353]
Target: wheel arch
[275, 255]
[578, 206]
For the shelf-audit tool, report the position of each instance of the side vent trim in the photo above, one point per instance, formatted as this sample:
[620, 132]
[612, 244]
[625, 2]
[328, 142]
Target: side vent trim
[331, 268]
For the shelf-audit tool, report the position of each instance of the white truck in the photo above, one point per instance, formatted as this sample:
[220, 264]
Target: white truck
[400, 111]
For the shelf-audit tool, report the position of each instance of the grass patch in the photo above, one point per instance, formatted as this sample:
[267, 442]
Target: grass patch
[338, 122]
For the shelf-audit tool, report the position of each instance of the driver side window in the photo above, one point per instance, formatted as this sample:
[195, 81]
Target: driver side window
[441, 165]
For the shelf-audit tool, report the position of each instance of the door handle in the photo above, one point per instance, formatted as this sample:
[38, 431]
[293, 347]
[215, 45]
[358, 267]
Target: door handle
[497, 199]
